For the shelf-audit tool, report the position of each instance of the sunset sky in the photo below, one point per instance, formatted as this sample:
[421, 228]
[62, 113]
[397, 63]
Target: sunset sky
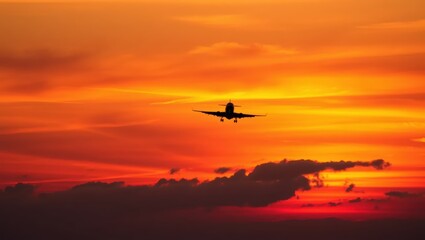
[103, 91]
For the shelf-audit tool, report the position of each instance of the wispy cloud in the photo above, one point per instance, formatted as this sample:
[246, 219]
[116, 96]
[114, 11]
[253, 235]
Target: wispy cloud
[238, 49]
[223, 20]
[422, 140]
[40, 60]
[416, 24]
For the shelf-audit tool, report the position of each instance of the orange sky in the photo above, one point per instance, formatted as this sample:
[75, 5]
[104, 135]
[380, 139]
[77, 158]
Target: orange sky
[104, 90]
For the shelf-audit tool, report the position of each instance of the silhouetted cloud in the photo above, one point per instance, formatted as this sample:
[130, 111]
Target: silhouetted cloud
[93, 186]
[20, 189]
[317, 180]
[222, 170]
[174, 170]
[167, 195]
[334, 204]
[307, 205]
[356, 200]
[266, 184]
[376, 200]
[400, 194]
[350, 187]
[289, 169]
[237, 190]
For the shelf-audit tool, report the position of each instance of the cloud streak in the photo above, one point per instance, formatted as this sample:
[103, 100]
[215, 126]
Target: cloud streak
[222, 21]
[415, 25]
[400, 194]
[41, 60]
[234, 49]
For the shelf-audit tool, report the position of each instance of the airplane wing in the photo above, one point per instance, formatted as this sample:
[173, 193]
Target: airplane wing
[217, 113]
[243, 115]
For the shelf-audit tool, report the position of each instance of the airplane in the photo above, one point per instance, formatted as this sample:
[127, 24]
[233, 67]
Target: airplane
[229, 113]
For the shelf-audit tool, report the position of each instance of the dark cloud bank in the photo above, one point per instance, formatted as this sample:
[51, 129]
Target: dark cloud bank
[98, 210]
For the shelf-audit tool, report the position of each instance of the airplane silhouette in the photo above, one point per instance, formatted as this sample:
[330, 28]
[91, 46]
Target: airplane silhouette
[229, 113]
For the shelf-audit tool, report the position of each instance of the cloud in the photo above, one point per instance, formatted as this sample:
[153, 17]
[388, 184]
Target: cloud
[237, 190]
[39, 60]
[115, 199]
[266, 184]
[222, 170]
[222, 21]
[308, 205]
[241, 50]
[97, 186]
[174, 170]
[422, 140]
[399, 194]
[334, 204]
[350, 187]
[356, 200]
[289, 169]
[317, 180]
[376, 200]
[38, 71]
[416, 24]
[20, 189]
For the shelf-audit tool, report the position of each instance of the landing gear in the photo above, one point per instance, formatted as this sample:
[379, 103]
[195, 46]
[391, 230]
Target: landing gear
[221, 120]
[236, 120]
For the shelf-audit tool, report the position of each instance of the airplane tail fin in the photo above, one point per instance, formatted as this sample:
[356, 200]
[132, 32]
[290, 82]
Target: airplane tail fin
[226, 105]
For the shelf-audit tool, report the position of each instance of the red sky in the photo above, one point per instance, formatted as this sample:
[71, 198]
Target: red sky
[104, 91]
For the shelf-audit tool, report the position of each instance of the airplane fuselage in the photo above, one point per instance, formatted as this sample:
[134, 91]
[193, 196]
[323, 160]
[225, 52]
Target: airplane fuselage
[228, 113]
[230, 108]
